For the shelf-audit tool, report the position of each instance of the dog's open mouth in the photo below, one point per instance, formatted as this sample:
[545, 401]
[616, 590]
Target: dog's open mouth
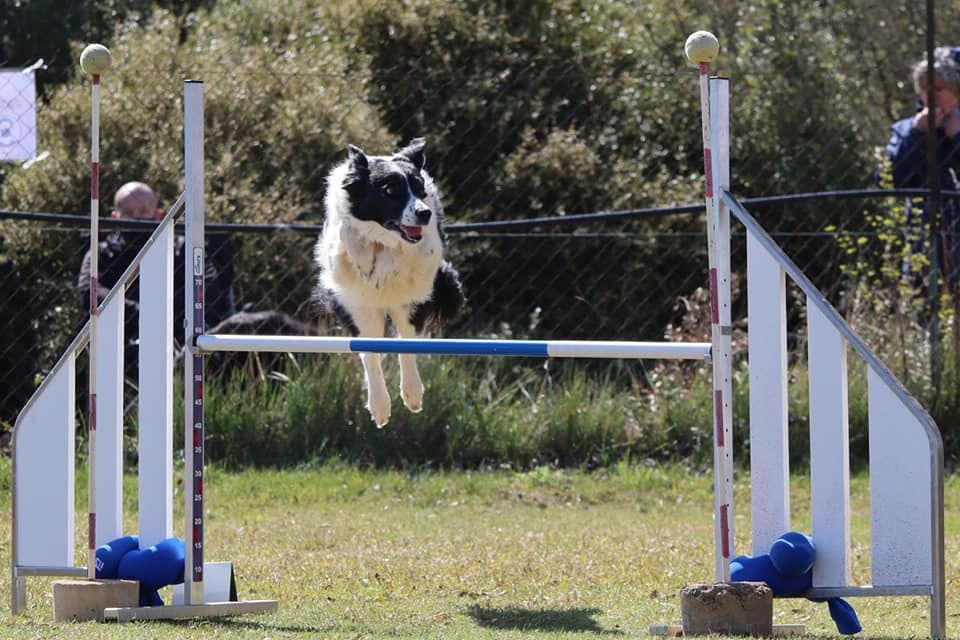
[410, 234]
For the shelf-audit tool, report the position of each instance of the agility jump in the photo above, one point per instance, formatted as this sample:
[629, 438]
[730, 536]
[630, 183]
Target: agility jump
[905, 445]
[906, 451]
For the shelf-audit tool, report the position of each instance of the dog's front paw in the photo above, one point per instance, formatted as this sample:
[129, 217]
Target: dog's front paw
[378, 403]
[412, 393]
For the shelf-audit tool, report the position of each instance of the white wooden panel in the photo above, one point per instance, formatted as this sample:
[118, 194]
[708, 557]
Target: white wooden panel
[109, 442]
[769, 465]
[44, 459]
[829, 450]
[900, 492]
[216, 583]
[156, 392]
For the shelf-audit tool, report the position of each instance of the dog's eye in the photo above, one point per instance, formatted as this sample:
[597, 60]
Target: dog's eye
[391, 190]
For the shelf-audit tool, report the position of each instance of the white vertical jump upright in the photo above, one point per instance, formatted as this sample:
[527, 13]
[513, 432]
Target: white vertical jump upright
[155, 405]
[193, 382]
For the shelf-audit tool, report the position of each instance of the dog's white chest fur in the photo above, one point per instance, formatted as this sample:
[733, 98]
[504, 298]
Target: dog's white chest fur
[368, 268]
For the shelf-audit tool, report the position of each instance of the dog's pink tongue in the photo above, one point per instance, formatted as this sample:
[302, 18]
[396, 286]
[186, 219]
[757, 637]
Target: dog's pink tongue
[413, 232]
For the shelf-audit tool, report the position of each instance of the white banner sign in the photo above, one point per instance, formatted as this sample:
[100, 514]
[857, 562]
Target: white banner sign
[18, 115]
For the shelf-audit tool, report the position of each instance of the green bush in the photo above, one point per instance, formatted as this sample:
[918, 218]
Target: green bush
[544, 87]
[281, 103]
[530, 109]
[545, 107]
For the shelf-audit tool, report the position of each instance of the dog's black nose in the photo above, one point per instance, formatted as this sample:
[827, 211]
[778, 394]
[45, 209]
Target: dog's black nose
[423, 216]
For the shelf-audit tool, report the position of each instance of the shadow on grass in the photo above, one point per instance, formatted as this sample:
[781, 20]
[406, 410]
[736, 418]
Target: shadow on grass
[539, 619]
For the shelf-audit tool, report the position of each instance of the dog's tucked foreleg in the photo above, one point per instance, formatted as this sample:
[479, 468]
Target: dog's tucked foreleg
[411, 387]
[378, 399]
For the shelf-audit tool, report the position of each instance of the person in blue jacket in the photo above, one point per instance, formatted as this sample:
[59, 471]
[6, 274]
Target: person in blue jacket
[907, 150]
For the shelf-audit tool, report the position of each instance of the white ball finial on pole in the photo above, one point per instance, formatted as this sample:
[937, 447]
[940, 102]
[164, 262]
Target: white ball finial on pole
[701, 46]
[95, 59]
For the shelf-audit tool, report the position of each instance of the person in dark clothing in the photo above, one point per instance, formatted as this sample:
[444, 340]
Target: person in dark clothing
[137, 201]
[907, 150]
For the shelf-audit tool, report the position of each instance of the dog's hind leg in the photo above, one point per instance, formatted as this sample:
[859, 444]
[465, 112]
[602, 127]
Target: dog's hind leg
[370, 324]
[411, 387]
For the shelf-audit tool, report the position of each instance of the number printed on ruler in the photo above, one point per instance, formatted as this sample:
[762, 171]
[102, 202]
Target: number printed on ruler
[197, 538]
[197, 291]
[198, 458]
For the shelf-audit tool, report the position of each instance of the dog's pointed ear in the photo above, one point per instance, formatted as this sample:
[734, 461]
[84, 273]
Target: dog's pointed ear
[414, 152]
[358, 173]
[357, 157]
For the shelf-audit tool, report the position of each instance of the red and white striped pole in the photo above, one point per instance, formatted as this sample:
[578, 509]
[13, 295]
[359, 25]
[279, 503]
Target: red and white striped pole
[94, 61]
[701, 48]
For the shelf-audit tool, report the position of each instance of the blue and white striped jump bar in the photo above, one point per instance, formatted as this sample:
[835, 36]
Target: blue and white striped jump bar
[451, 346]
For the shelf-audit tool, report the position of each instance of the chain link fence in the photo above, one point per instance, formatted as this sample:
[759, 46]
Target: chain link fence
[623, 277]
[556, 126]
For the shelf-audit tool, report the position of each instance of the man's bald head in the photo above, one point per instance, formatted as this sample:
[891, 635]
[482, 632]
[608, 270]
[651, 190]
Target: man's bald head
[137, 201]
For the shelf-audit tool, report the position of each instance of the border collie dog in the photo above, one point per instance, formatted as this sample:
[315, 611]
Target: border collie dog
[381, 261]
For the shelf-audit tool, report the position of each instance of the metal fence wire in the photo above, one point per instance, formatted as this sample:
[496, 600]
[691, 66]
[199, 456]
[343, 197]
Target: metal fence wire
[630, 276]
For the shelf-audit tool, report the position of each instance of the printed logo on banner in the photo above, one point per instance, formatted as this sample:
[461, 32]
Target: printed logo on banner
[18, 116]
[9, 132]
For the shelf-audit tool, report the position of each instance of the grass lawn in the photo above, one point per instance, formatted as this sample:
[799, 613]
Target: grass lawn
[543, 554]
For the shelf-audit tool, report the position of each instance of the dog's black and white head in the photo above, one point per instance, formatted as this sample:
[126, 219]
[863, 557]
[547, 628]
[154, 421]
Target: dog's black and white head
[392, 192]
